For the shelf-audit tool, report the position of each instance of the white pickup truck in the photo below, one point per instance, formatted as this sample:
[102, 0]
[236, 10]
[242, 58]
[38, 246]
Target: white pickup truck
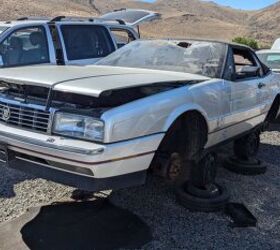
[68, 40]
[100, 127]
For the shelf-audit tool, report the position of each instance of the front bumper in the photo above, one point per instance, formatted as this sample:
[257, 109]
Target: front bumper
[80, 164]
[72, 179]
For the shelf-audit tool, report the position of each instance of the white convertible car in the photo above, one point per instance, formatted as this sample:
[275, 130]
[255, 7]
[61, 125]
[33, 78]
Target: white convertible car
[100, 127]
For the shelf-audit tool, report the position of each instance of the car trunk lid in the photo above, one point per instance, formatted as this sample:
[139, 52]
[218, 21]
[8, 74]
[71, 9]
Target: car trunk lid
[132, 17]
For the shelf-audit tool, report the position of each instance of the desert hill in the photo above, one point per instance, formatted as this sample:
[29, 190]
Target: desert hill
[196, 19]
[264, 25]
[11, 9]
[180, 18]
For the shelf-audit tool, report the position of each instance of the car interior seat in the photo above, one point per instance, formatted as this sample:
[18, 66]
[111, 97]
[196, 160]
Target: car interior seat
[40, 51]
[14, 52]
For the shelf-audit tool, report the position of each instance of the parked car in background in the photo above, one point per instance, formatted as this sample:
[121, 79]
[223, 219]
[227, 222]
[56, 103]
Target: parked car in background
[271, 58]
[276, 45]
[100, 127]
[66, 40]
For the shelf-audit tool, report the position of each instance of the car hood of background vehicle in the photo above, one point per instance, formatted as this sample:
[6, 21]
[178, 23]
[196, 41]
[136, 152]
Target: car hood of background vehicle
[90, 80]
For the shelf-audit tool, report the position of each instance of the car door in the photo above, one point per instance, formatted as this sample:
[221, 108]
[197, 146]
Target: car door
[247, 93]
[26, 45]
[85, 43]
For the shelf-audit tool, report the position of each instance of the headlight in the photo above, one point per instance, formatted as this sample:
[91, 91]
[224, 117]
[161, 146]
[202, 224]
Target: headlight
[78, 126]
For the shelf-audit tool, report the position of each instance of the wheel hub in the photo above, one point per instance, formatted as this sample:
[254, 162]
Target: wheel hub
[175, 166]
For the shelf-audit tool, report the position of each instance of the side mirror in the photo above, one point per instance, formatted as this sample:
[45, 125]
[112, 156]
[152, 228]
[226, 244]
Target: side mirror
[250, 70]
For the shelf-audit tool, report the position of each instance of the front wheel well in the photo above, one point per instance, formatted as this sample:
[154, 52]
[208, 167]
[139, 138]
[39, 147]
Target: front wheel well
[274, 110]
[176, 137]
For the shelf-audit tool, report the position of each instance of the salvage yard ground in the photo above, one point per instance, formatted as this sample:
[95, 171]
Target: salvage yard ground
[156, 210]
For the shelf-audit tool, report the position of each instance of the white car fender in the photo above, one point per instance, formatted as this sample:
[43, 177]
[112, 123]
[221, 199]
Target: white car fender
[176, 113]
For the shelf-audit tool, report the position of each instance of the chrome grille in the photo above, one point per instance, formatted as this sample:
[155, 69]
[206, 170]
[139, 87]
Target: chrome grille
[25, 117]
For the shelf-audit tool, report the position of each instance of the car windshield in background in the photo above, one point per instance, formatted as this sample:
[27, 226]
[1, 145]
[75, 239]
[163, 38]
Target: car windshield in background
[196, 57]
[272, 60]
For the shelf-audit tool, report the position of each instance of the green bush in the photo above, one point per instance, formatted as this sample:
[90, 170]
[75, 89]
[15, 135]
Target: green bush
[247, 41]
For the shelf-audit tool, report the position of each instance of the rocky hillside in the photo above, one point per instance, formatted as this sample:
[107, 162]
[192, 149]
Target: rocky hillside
[11, 9]
[265, 24]
[181, 18]
[196, 18]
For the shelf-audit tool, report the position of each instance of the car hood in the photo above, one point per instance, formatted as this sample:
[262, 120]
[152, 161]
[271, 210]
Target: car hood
[90, 80]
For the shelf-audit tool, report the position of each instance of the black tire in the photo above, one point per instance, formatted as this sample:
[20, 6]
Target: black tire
[209, 191]
[248, 146]
[198, 204]
[250, 168]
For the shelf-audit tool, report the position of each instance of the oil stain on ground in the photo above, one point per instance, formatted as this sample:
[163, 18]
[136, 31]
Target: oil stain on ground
[85, 225]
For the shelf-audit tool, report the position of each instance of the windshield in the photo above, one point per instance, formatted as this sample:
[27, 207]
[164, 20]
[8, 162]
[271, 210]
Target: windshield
[272, 60]
[2, 29]
[196, 57]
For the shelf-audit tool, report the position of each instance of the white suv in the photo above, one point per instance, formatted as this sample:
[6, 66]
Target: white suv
[68, 40]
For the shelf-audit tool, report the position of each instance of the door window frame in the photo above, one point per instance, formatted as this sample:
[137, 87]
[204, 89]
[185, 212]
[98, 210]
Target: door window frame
[59, 30]
[43, 27]
[130, 34]
[231, 64]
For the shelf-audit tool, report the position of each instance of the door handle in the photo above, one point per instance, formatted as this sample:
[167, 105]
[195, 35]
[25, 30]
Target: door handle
[261, 85]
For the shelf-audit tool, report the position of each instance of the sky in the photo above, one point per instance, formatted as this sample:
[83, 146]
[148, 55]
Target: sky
[241, 4]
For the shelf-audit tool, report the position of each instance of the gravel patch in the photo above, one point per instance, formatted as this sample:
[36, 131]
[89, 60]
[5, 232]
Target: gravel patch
[18, 192]
[174, 227]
